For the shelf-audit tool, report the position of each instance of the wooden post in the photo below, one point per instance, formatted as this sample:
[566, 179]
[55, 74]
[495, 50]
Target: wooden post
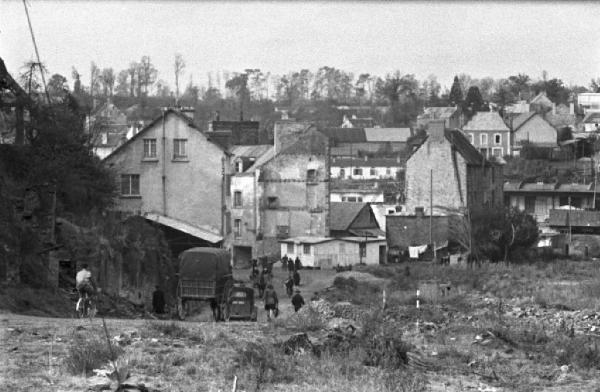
[234, 388]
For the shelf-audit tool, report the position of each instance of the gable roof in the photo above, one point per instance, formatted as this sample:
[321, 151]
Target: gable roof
[486, 121]
[251, 151]
[521, 119]
[463, 146]
[345, 135]
[437, 113]
[175, 112]
[342, 214]
[387, 134]
[541, 98]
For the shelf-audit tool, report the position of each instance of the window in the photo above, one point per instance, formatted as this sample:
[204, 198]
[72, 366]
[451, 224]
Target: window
[239, 166]
[130, 184]
[529, 204]
[283, 231]
[237, 199]
[497, 152]
[290, 248]
[388, 171]
[483, 139]
[373, 171]
[351, 198]
[362, 248]
[237, 228]
[272, 202]
[497, 138]
[357, 172]
[359, 199]
[306, 249]
[472, 138]
[342, 248]
[342, 173]
[179, 148]
[149, 148]
[311, 175]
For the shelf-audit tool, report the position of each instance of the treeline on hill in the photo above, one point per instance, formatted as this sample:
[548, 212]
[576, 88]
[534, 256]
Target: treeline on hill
[310, 94]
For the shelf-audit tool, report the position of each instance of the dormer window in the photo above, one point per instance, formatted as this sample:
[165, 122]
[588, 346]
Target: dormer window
[239, 166]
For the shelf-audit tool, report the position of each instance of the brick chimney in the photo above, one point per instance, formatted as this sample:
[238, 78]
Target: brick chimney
[435, 130]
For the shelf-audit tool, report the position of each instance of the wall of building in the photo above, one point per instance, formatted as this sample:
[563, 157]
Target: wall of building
[540, 205]
[330, 254]
[485, 186]
[245, 212]
[366, 172]
[359, 197]
[302, 204]
[193, 187]
[435, 155]
[404, 231]
[536, 130]
[491, 148]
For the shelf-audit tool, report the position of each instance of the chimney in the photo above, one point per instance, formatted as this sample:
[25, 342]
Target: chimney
[419, 212]
[435, 130]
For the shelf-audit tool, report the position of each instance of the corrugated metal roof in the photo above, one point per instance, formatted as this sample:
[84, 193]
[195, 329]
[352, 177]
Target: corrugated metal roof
[387, 134]
[486, 121]
[187, 228]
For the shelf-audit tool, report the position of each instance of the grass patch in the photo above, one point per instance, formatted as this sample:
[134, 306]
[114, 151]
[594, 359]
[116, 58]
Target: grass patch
[173, 330]
[86, 353]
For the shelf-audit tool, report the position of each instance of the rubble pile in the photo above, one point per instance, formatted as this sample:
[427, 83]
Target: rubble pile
[345, 310]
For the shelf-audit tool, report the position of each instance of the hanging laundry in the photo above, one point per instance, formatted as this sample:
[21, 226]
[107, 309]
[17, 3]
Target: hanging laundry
[415, 251]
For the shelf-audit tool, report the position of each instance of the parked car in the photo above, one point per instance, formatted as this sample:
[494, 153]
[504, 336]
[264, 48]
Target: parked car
[205, 274]
[240, 304]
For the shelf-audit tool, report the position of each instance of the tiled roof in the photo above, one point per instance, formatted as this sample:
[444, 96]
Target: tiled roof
[387, 134]
[437, 113]
[521, 119]
[262, 159]
[345, 135]
[486, 121]
[560, 217]
[342, 214]
[464, 147]
[353, 149]
[250, 151]
[561, 120]
[541, 98]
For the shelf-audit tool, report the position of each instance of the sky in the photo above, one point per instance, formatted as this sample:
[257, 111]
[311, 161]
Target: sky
[496, 39]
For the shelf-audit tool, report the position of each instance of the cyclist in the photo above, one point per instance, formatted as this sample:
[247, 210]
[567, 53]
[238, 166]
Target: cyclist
[85, 284]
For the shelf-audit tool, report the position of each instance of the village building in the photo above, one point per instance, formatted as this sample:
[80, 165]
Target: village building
[538, 199]
[246, 200]
[540, 103]
[329, 252]
[532, 128]
[367, 168]
[591, 122]
[451, 115]
[357, 142]
[357, 195]
[233, 133]
[357, 122]
[353, 219]
[294, 188]
[172, 174]
[589, 102]
[447, 171]
[489, 134]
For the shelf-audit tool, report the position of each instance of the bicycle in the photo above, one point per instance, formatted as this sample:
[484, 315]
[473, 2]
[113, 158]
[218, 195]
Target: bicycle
[85, 307]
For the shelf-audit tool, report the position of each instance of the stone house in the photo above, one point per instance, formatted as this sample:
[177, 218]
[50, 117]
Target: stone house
[367, 168]
[294, 186]
[448, 167]
[171, 173]
[451, 115]
[246, 198]
[489, 134]
[532, 128]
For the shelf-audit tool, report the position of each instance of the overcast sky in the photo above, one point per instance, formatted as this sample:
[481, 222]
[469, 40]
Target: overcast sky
[495, 39]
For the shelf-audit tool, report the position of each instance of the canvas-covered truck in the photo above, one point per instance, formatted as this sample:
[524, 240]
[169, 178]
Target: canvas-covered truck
[205, 274]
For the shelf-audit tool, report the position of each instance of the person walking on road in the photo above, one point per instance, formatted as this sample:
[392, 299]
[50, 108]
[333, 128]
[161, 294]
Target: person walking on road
[296, 278]
[297, 301]
[271, 301]
[290, 265]
[297, 264]
[289, 286]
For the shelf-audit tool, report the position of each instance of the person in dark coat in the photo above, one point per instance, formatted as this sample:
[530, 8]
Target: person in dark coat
[296, 278]
[271, 302]
[290, 265]
[289, 286]
[297, 301]
[158, 301]
[262, 283]
[284, 261]
[298, 264]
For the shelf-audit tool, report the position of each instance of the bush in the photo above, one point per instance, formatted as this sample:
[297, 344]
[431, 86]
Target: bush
[579, 351]
[382, 343]
[307, 319]
[263, 363]
[87, 353]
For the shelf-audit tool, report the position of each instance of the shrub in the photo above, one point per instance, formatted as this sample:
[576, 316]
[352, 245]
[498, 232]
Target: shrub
[264, 364]
[307, 319]
[580, 351]
[86, 353]
[382, 342]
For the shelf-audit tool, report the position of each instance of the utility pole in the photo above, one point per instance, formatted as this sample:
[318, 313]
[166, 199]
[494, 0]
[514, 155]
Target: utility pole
[431, 207]
[53, 218]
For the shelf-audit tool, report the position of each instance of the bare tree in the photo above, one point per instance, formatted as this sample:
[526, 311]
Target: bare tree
[108, 81]
[179, 67]
[94, 78]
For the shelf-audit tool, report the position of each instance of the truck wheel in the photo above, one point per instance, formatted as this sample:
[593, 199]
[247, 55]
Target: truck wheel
[181, 309]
